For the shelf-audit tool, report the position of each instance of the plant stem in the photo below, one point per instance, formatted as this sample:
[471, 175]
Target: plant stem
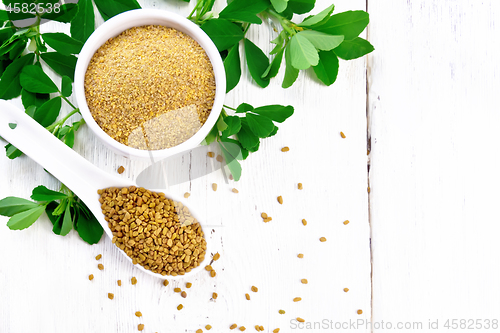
[230, 108]
[71, 104]
[62, 121]
[285, 23]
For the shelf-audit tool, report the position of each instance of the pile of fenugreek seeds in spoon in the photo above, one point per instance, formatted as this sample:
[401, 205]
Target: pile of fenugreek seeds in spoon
[155, 232]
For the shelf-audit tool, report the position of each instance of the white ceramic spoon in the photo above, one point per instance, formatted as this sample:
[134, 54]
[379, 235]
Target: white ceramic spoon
[74, 171]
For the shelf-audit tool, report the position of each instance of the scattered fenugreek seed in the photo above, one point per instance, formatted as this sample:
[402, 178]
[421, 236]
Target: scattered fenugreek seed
[233, 326]
[264, 215]
[119, 282]
[179, 307]
[346, 222]
[212, 273]
[322, 239]
[199, 330]
[280, 200]
[360, 311]
[304, 222]
[276, 330]
[368, 189]
[133, 280]
[165, 283]
[91, 277]
[140, 327]
[184, 294]
[138, 314]
[247, 296]
[111, 296]
[269, 219]
[342, 135]
[261, 328]
[219, 158]
[257, 328]
[242, 328]
[208, 327]
[216, 256]
[300, 255]
[186, 195]
[235, 190]
[177, 290]
[299, 186]
[281, 311]
[121, 169]
[304, 281]
[215, 295]
[100, 266]
[285, 149]
[214, 187]
[208, 268]
[210, 154]
[297, 299]
[300, 320]
[346, 290]
[99, 256]
[188, 285]
[255, 289]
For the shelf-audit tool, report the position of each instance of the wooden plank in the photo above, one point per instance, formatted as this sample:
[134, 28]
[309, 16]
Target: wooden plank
[43, 277]
[434, 121]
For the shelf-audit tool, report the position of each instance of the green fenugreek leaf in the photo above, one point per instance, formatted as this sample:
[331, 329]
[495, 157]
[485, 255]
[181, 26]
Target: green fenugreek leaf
[232, 153]
[244, 10]
[10, 85]
[25, 219]
[12, 152]
[66, 86]
[322, 41]
[303, 53]
[62, 43]
[63, 65]
[109, 9]
[11, 206]
[83, 24]
[41, 193]
[232, 67]
[223, 33]
[244, 107]
[279, 5]
[261, 126]
[350, 24]
[327, 68]
[291, 73]
[274, 67]
[318, 18]
[46, 114]
[87, 226]
[66, 13]
[33, 79]
[233, 126]
[247, 138]
[257, 63]
[355, 48]
[33, 99]
[278, 113]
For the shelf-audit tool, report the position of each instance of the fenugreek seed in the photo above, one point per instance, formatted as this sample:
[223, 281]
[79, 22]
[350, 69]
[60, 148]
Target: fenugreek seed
[261, 328]
[269, 219]
[208, 327]
[368, 189]
[165, 283]
[210, 154]
[242, 328]
[188, 285]
[99, 256]
[346, 222]
[199, 330]
[184, 294]
[119, 282]
[247, 296]
[300, 255]
[281, 311]
[177, 290]
[322, 239]
[121, 169]
[280, 200]
[212, 273]
[263, 215]
[299, 186]
[100, 266]
[140, 327]
[208, 268]
[276, 330]
[91, 277]
[233, 326]
[235, 190]
[254, 289]
[111, 296]
[216, 256]
[138, 314]
[179, 307]
[133, 280]
[257, 328]
[304, 222]
[304, 281]
[231, 177]
[214, 295]
[285, 149]
[300, 320]
[342, 135]
[219, 158]
[297, 299]
[360, 312]
[346, 290]
[186, 195]
[214, 186]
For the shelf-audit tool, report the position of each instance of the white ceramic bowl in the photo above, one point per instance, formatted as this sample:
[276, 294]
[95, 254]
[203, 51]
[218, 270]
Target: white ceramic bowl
[139, 17]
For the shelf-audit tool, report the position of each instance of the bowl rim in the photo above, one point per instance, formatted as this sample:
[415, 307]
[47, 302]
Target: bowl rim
[141, 17]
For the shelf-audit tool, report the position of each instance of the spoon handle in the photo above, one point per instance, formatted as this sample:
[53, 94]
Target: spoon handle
[78, 174]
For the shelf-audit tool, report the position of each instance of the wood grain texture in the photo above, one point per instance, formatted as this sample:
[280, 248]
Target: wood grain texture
[43, 277]
[433, 87]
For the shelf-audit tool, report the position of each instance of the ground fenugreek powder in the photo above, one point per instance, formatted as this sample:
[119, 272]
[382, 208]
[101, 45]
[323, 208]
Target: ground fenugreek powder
[156, 232]
[151, 87]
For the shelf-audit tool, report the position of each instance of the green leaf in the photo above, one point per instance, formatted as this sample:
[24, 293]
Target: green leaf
[318, 18]
[300, 6]
[232, 67]
[10, 206]
[109, 9]
[30, 111]
[274, 67]
[63, 43]
[350, 24]
[303, 52]
[33, 99]
[221, 125]
[66, 14]
[66, 87]
[7, 47]
[275, 130]
[46, 114]
[230, 152]
[279, 42]
[233, 126]
[352, 49]
[17, 50]
[244, 107]
[261, 126]
[83, 24]
[244, 10]
[327, 68]
[279, 5]
[35, 80]
[10, 85]
[87, 226]
[67, 223]
[211, 136]
[246, 137]
[54, 219]
[223, 33]
[12, 152]
[291, 73]
[61, 64]
[25, 219]
[41, 193]
[69, 138]
[322, 41]
[278, 113]
[257, 63]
